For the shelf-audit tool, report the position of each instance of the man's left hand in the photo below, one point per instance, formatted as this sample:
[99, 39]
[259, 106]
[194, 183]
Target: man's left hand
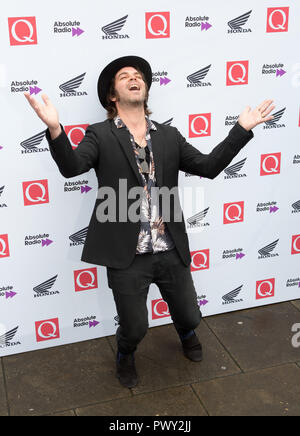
[251, 118]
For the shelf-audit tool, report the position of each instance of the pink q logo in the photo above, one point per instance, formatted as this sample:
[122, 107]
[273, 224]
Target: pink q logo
[85, 279]
[270, 164]
[296, 244]
[4, 247]
[199, 125]
[237, 73]
[47, 330]
[157, 25]
[265, 288]
[35, 192]
[22, 31]
[160, 309]
[199, 260]
[76, 133]
[277, 20]
[233, 212]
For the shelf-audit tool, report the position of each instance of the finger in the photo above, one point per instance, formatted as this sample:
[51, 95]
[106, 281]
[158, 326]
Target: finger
[264, 105]
[46, 99]
[266, 112]
[33, 102]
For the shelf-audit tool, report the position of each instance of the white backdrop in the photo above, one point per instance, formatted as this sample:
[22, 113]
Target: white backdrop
[244, 256]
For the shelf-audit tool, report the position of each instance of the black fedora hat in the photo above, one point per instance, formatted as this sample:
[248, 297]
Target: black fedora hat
[111, 70]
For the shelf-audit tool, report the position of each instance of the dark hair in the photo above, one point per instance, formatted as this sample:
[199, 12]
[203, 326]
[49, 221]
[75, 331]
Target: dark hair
[111, 106]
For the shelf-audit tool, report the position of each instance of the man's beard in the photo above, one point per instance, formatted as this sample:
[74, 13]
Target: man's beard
[133, 103]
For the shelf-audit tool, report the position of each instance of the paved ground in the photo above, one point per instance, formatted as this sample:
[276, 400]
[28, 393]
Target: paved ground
[250, 368]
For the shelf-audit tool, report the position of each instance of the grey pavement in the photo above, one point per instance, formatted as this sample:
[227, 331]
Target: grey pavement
[250, 368]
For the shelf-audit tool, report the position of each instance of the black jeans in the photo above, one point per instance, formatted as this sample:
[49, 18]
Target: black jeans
[130, 289]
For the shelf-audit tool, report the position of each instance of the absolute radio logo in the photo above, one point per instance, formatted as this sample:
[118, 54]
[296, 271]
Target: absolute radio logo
[231, 120]
[160, 309]
[78, 186]
[8, 292]
[70, 87]
[233, 254]
[201, 22]
[111, 30]
[270, 164]
[160, 77]
[32, 144]
[67, 28]
[35, 192]
[22, 31]
[85, 279]
[75, 133]
[268, 206]
[41, 240]
[199, 125]
[277, 20]
[237, 25]
[25, 85]
[47, 330]
[86, 321]
[233, 212]
[199, 260]
[157, 25]
[237, 73]
[196, 79]
[276, 70]
[4, 246]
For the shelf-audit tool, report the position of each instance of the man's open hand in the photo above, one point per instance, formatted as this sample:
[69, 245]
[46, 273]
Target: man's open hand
[251, 118]
[46, 112]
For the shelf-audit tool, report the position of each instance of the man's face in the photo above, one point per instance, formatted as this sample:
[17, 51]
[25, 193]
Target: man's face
[130, 87]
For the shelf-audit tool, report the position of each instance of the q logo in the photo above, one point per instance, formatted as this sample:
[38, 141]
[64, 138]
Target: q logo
[157, 25]
[199, 260]
[233, 212]
[85, 279]
[277, 20]
[295, 244]
[270, 164]
[22, 31]
[160, 309]
[199, 125]
[47, 330]
[265, 288]
[76, 133]
[237, 73]
[35, 192]
[4, 247]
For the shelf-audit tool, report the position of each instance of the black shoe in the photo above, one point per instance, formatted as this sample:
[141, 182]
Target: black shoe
[192, 349]
[126, 371]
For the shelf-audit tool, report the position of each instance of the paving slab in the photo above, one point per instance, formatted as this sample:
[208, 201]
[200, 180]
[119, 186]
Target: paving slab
[160, 362]
[180, 401]
[61, 378]
[260, 337]
[296, 303]
[267, 392]
[3, 402]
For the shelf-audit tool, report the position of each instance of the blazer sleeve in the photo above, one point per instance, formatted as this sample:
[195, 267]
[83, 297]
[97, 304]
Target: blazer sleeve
[211, 165]
[71, 162]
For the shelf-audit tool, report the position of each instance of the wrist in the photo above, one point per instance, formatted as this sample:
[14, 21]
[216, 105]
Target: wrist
[55, 131]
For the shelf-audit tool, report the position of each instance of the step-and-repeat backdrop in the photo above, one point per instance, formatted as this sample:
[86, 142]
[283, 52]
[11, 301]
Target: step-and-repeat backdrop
[209, 61]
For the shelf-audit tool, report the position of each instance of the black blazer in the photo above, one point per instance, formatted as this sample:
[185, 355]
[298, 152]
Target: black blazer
[109, 151]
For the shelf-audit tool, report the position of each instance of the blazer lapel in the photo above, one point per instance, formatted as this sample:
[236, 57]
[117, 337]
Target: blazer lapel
[158, 154]
[122, 136]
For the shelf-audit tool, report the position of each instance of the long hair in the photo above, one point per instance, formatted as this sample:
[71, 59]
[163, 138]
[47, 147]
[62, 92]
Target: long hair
[111, 106]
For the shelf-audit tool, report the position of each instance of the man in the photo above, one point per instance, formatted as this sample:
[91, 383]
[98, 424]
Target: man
[130, 148]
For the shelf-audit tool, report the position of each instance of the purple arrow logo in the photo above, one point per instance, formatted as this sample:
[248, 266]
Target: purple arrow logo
[34, 90]
[1, 147]
[280, 72]
[164, 81]
[273, 209]
[46, 242]
[77, 32]
[239, 256]
[203, 303]
[93, 323]
[10, 294]
[205, 26]
[85, 188]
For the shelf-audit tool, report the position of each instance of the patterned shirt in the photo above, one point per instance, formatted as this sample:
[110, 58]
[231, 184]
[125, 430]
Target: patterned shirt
[154, 235]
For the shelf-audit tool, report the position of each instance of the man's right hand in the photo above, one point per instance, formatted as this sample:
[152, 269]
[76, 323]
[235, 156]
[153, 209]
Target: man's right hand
[46, 112]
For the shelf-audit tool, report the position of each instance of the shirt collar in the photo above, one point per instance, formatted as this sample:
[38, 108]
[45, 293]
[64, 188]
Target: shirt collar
[119, 123]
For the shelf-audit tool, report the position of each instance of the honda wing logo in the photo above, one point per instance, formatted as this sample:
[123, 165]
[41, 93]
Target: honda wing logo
[111, 30]
[267, 250]
[2, 189]
[237, 23]
[8, 337]
[44, 288]
[194, 221]
[234, 169]
[196, 78]
[31, 145]
[295, 206]
[231, 296]
[69, 87]
[79, 237]
[274, 122]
